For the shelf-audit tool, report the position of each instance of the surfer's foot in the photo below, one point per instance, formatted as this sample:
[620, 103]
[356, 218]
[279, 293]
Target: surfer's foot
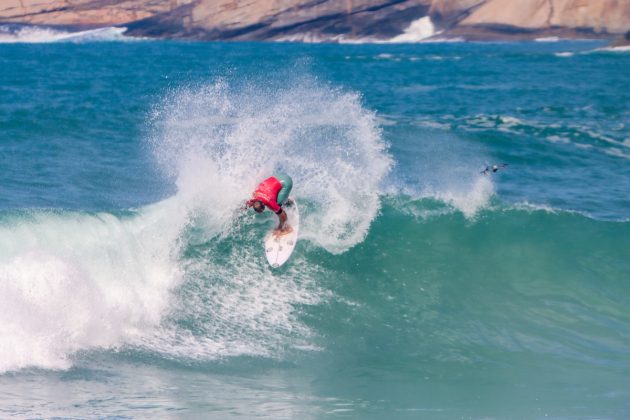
[281, 232]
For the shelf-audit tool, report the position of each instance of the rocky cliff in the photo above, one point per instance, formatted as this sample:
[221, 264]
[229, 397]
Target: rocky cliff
[328, 19]
[525, 18]
[281, 19]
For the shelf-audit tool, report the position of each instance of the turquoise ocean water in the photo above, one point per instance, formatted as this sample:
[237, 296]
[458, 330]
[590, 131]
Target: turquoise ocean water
[132, 287]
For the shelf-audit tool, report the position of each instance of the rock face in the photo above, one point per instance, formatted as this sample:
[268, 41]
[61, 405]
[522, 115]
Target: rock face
[448, 13]
[331, 20]
[226, 19]
[622, 41]
[278, 19]
[85, 13]
[542, 16]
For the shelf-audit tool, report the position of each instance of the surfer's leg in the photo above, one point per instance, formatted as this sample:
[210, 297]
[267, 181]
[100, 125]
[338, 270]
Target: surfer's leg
[287, 184]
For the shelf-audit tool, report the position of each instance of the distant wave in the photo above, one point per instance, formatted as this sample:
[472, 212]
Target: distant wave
[548, 39]
[10, 34]
[580, 135]
[420, 30]
[315, 38]
[619, 49]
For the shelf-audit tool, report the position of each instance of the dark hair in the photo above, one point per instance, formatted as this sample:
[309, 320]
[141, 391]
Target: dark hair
[259, 207]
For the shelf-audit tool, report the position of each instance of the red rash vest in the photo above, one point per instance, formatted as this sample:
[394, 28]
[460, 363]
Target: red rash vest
[267, 192]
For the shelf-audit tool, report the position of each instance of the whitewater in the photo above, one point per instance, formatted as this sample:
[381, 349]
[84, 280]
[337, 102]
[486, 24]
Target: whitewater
[133, 284]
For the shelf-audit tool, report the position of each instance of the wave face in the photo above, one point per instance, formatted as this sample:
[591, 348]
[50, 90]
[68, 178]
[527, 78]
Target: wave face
[216, 141]
[420, 286]
[513, 284]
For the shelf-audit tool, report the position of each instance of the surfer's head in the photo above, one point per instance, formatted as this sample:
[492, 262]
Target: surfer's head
[258, 206]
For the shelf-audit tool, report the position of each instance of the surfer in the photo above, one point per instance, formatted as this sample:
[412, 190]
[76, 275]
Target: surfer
[493, 168]
[273, 192]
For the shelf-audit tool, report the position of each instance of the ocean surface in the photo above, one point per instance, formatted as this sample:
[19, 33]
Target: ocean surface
[132, 286]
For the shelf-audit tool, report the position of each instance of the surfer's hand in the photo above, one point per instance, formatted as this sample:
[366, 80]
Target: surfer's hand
[246, 205]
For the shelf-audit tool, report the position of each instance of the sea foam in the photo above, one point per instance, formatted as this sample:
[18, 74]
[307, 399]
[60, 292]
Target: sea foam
[71, 281]
[44, 34]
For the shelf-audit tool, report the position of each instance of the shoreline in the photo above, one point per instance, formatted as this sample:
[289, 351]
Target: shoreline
[328, 21]
[458, 34]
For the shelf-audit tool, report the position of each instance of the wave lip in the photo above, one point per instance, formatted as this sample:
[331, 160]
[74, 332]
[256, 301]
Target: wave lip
[15, 34]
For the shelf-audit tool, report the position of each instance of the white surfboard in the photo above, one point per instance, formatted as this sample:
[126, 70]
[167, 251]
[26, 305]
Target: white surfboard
[280, 247]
